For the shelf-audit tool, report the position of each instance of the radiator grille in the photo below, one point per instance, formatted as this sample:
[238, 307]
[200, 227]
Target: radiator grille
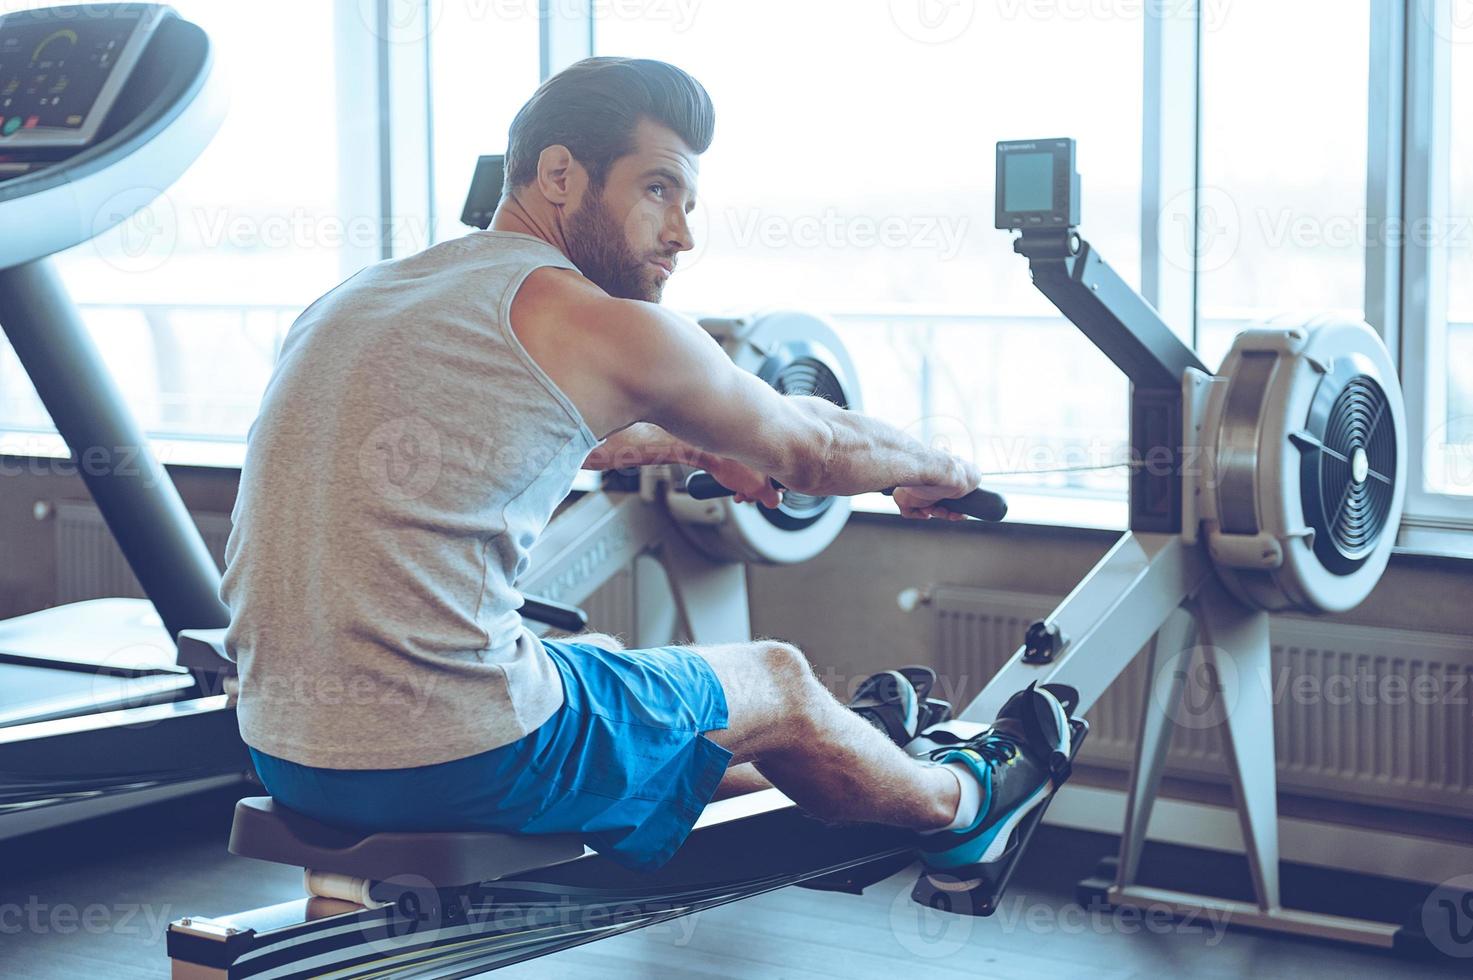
[1369, 714]
[89, 563]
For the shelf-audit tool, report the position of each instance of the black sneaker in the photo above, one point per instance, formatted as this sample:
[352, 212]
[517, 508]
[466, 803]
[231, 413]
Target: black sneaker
[1019, 761]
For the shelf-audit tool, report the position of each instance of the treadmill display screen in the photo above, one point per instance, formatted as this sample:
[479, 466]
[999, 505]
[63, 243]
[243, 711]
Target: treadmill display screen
[1028, 182]
[52, 71]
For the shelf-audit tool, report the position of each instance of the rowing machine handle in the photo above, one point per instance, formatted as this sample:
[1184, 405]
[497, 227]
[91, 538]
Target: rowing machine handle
[984, 505]
[561, 617]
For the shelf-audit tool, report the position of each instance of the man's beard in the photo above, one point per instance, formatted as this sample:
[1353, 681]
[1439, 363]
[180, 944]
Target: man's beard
[597, 246]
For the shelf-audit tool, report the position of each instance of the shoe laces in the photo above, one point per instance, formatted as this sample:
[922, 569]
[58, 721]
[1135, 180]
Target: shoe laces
[995, 746]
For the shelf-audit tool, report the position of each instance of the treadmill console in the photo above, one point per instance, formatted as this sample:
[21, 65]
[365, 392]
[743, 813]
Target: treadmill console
[62, 69]
[1037, 185]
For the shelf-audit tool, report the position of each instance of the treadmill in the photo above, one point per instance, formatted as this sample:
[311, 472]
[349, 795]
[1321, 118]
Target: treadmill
[102, 107]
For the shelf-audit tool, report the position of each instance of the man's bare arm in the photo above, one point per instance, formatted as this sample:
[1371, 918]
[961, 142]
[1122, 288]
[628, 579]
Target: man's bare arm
[698, 395]
[645, 444]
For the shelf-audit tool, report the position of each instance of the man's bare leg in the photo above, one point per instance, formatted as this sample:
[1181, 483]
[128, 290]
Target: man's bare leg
[740, 779]
[822, 756]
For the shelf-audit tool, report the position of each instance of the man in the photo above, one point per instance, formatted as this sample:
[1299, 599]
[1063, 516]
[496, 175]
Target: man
[422, 423]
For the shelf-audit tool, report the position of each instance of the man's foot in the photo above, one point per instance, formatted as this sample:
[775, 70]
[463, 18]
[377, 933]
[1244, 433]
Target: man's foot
[1017, 762]
[898, 702]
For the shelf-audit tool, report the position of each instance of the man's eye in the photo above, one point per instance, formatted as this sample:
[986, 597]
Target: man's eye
[656, 189]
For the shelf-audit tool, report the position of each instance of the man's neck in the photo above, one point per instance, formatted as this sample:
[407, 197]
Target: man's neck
[544, 221]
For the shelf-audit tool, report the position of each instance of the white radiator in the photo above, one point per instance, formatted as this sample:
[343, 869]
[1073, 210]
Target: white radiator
[1361, 713]
[89, 563]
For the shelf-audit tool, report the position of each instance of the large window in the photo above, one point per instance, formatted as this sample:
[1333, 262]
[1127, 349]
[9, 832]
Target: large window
[189, 299]
[1438, 366]
[1282, 219]
[852, 176]
[1450, 377]
[483, 66]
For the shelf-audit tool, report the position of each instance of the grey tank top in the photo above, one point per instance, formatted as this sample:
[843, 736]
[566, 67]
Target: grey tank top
[407, 454]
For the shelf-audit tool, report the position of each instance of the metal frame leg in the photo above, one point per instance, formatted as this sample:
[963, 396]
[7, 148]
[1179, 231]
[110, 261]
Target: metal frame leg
[1237, 645]
[1154, 738]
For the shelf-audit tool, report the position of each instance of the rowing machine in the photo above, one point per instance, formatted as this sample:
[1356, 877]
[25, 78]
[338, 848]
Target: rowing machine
[1275, 484]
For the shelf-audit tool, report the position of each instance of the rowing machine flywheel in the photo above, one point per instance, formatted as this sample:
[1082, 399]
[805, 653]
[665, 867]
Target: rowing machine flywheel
[1304, 470]
[798, 354]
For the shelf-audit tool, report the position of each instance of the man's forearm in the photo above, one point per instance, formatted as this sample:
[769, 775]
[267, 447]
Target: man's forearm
[644, 444]
[865, 454]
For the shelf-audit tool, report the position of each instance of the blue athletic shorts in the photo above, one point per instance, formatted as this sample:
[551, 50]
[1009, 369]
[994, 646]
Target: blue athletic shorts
[623, 763]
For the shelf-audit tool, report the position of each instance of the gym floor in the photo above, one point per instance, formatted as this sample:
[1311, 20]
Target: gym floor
[94, 901]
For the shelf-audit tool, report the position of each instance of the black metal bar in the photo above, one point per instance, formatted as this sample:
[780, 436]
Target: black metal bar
[1115, 317]
[132, 490]
[1130, 332]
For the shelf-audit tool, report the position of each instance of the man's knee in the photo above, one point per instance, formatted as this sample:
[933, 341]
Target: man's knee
[789, 671]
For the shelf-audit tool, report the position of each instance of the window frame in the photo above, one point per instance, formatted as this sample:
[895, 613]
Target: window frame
[1426, 154]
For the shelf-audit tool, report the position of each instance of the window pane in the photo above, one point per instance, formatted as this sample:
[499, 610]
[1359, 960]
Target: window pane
[189, 299]
[1284, 131]
[484, 64]
[1450, 439]
[852, 176]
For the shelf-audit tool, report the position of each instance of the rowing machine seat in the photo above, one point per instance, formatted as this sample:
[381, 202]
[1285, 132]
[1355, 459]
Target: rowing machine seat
[266, 830]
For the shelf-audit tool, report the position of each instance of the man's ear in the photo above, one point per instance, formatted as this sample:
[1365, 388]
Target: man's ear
[559, 176]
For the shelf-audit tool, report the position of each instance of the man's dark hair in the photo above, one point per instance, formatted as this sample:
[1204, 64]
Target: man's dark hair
[593, 107]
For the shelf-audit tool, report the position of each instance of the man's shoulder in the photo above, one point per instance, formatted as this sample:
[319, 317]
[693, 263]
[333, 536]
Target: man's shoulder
[565, 298]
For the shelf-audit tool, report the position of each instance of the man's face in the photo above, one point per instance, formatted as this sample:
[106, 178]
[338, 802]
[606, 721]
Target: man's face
[625, 236]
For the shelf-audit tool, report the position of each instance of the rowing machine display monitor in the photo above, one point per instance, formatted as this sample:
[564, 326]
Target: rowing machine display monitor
[1037, 185]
